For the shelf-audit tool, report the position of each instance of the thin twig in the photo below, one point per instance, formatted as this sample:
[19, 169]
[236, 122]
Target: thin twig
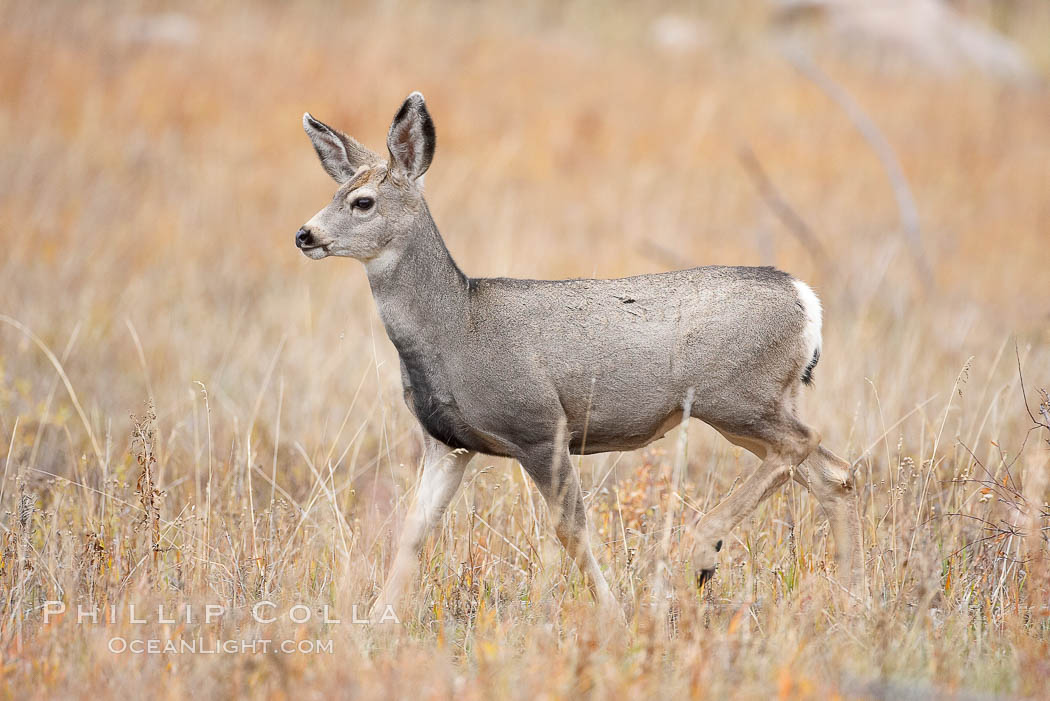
[1024, 395]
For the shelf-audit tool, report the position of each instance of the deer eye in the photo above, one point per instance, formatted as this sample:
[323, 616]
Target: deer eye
[363, 203]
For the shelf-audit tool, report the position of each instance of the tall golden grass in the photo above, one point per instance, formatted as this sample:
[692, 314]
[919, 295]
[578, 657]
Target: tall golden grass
[193, 413]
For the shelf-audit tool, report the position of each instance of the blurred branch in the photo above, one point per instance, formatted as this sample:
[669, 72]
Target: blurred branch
[908, 212]
[659, 253]
[780, 207]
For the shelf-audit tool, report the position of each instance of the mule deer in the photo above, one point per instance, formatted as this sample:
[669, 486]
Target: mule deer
[525, 368]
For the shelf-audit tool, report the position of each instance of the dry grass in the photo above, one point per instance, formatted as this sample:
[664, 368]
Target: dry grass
[150, 193]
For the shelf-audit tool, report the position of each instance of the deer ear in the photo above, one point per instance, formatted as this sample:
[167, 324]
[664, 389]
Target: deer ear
[340, 155]
[411, 139]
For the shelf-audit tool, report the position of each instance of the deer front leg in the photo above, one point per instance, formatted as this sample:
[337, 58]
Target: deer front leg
[551, 469]
[442, 474]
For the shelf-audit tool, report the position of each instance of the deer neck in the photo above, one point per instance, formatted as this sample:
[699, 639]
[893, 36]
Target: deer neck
[421, 295]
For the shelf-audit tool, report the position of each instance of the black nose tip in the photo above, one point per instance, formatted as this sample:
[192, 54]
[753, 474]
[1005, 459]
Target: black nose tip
[303, 237]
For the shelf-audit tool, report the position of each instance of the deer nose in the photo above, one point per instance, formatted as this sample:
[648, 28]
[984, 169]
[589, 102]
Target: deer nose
[303, 237]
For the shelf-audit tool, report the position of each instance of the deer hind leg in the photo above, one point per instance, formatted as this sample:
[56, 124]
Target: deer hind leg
[442, 474]
[830, 478]
[782, 444]
[551, 469]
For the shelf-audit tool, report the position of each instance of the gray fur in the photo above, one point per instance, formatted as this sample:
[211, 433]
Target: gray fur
[533, 369]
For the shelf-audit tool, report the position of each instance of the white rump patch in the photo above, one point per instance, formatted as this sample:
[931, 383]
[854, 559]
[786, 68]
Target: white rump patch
[811, 334]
